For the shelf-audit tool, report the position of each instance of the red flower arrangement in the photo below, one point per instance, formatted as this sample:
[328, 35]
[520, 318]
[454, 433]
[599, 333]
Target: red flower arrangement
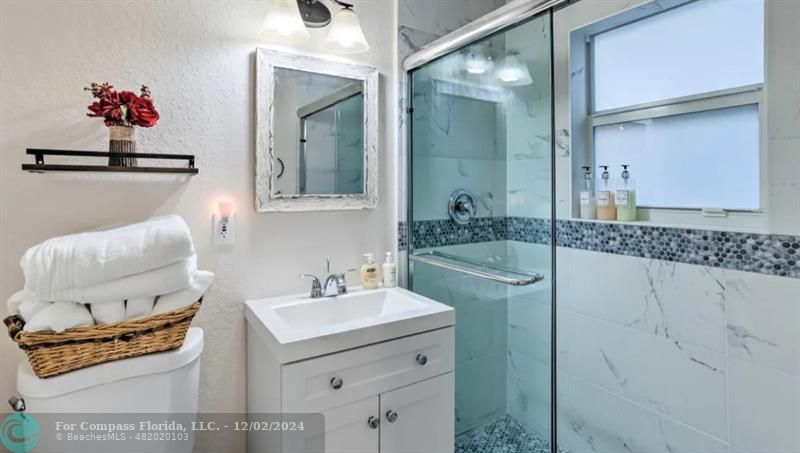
[122, 108]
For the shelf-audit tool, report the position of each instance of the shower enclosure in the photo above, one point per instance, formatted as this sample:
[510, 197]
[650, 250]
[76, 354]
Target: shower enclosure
[481, 222]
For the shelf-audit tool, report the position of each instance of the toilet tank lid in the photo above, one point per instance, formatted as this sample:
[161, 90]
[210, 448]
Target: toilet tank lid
[28, 385]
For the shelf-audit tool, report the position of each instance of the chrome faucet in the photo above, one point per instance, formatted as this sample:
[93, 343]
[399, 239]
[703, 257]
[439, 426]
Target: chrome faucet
[335, 284]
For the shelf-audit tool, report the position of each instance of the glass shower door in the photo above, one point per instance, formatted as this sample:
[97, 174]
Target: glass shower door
[481, 174]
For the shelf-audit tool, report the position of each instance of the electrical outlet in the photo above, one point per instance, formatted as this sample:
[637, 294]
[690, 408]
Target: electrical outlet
[224, 230]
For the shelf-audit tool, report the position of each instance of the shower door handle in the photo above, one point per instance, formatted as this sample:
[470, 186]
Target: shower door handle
[429, 258]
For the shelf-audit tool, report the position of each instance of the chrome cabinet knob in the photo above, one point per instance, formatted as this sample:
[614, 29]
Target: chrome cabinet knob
[373, 422]
[17, 403]
[336, 383]
[391, 416]
[422, 359]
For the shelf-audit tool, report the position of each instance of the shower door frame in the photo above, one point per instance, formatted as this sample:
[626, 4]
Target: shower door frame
[496, 21]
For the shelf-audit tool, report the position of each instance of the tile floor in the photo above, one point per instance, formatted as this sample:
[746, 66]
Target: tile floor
[504, 435]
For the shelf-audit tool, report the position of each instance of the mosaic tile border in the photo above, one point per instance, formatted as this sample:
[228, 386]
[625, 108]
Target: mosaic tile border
[441, 233]
[750, 252]
[402, 236]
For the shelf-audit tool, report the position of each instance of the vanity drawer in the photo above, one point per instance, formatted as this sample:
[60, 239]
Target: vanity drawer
[322, 383]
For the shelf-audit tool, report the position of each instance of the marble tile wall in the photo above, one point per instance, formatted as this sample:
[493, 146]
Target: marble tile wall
[419, 23]
[665, 356]
[529, 120]
[653, 355]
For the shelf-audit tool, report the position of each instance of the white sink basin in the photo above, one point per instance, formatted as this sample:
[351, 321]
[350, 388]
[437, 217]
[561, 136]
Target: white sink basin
[311, 313]
[298, 327]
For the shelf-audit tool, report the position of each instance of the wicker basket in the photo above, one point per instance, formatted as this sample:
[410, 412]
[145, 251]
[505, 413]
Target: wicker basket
[51, 354]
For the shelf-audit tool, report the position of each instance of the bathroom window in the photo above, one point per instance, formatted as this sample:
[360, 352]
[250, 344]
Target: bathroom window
[677, 95]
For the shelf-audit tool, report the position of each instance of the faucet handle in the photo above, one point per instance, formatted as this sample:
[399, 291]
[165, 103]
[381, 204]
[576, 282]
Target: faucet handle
[328, 268]
[348, 271]
[316, 286]
[342, 281]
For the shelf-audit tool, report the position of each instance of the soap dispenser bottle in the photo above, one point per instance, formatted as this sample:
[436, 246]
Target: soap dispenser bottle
[606, 210]
[389, 272]
[588, 202]
[625, 198]
[369, 272]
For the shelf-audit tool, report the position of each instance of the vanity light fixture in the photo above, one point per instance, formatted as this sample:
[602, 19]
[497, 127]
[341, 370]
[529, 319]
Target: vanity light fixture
[513, 71]
[292, 18]
[345, 35]
[283, 21]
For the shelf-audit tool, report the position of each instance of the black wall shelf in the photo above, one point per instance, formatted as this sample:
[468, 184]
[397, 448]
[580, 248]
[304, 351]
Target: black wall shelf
[40, 166]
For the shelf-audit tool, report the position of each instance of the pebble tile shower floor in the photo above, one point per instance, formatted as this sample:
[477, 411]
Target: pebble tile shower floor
[504, 435]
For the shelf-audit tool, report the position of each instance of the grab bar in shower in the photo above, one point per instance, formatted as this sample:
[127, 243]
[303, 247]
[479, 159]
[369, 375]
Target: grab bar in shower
[430, 258]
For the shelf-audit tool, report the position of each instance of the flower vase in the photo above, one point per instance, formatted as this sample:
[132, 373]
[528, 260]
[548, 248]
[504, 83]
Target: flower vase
[122, 140]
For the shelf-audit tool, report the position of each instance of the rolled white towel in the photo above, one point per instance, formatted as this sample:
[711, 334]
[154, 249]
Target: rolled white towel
[59, 317]
[139, 307]
[32, 307]
[152, 283]
[92, 258]
[108, 312]
[173, 301]
[16, 299]
[25, 304]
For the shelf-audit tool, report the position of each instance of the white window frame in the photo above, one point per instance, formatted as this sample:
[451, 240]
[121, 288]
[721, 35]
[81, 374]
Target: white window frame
[708, 101]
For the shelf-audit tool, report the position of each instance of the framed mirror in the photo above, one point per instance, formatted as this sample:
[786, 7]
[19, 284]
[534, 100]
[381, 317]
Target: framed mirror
[316, 134]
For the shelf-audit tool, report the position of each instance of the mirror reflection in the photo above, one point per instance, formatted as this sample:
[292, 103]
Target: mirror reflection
[319, 134]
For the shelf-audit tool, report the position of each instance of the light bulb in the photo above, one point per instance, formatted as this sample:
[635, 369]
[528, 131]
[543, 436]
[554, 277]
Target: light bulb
[225, 208]
[283, 21]
[345, 35]
[476, 63]
[513, 71]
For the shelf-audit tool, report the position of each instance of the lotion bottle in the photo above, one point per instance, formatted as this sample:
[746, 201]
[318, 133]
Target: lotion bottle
[625, 198]
[606, 210]
[389, 273]
[369, 272]
[588, 202]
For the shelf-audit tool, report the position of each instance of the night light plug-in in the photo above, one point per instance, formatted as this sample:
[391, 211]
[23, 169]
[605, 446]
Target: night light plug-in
[224, 224]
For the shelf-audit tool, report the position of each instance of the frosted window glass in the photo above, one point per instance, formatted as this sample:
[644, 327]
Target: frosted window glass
[698, 160]
[703, 46]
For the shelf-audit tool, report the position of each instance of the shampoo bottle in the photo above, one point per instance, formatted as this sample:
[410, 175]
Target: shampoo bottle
[606, 210]
[625, 198]
[389, 272]
[588, 202]
[369, 272]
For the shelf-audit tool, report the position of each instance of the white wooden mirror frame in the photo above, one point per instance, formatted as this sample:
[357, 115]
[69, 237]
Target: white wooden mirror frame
[266, 198]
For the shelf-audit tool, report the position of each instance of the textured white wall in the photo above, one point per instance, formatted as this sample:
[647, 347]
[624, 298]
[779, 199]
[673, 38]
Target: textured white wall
[198, 59]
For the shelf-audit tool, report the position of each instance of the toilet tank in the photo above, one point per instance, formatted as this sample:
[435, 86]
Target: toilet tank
[165, 382]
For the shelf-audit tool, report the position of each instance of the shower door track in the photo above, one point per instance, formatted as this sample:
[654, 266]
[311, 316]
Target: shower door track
[495, 21]
[429, 258]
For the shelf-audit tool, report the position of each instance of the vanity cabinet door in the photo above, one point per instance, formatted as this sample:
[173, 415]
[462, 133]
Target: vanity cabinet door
[419, 418]
[348, 428]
